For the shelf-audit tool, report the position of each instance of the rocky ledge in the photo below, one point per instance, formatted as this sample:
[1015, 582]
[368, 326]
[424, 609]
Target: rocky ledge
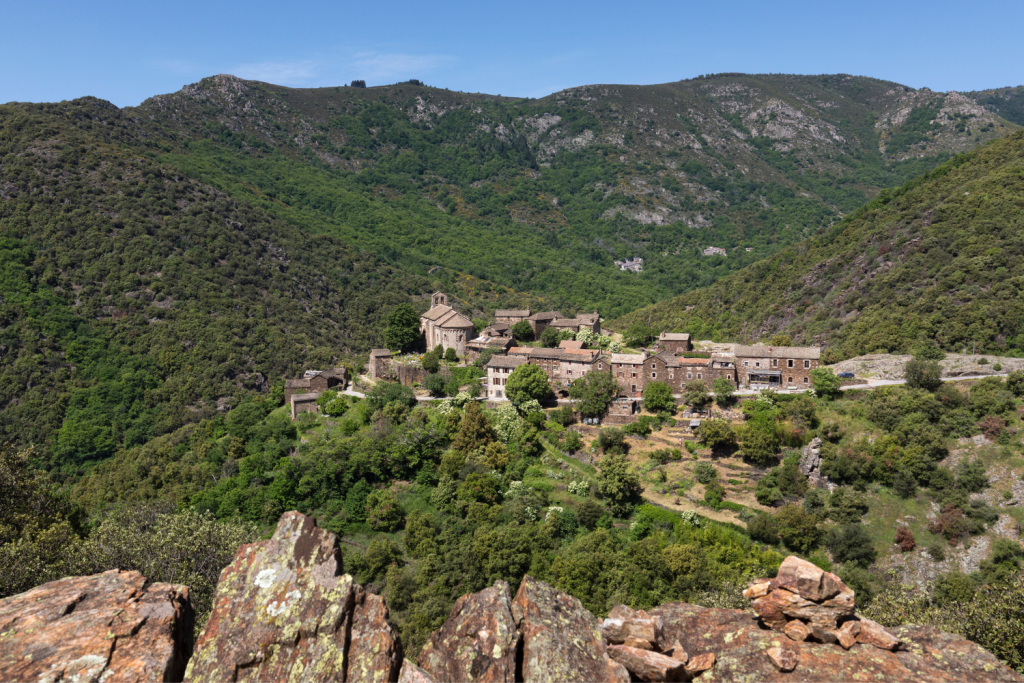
[285, 611]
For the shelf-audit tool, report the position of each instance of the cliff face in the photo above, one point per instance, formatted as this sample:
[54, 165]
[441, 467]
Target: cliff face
[286, 611]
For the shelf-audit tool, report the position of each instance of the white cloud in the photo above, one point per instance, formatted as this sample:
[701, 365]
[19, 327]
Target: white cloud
[297, 72]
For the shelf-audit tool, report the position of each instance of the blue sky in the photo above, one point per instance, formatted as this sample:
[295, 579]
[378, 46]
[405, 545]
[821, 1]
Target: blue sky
[125, 52]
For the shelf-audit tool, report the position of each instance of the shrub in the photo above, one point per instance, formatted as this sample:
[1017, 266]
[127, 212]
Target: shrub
[451, 356]
[826, 384]
[564, 415]
[434, 383]
[851, 543]
[983, 361]
[992, 426]
[612, 440]
[951, 524]
[696, 394]
[522, 331]
[550, 337]
[1015, 383]
[797, 529]
[431, 362]
[905, 539]
[764, 528]
[953, 587]
[714, 494]
[705, 472]
[723, 389]
[573, 441]
[922, 374]
[618, 483]
[846, 506]
[588, 512]
[383, 513]
[904, 485]
[716, 434]
[527, 382]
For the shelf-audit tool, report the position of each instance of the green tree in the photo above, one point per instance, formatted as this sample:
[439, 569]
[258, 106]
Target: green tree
[851, 543]
[619, 484]
[760, 446]
[522, 331]
[451, 356]
[593, 393]
[475, 429]
[696, 394]
[658, 398]
[716, 434]
[826, 384]
[780, 340]
[434, 383]
[401, 328]
[723, 389]
[550, 337]
[383, 512]
[573, 441]
[923, 374]
[527, 382]
[798, 529]
[388, 392]
[431, 362]
[1015, 383]
[638, 335]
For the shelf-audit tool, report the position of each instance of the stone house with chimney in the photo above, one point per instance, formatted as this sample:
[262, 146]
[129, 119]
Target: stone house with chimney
[678, 371]
[628, 371]
[443, 326]
[674, 342]
[562, 366]
[498, 370]
[485, 342]
[775, 367]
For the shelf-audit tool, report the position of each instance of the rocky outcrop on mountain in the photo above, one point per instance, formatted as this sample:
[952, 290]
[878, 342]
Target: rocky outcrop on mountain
[810, 466]
[109, 627]
[285, 611]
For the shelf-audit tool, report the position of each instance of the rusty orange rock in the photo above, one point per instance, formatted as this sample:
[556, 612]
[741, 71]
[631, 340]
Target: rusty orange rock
[627, 624]
[700, 663]
[109, 627]
[758, 589]
[797, 630]
[283, 609]
[647, 665]
[561, 640]
[783, 660]
[847, 633]
[477, 643]
[807, 580]
[413, 674]
[873, 633]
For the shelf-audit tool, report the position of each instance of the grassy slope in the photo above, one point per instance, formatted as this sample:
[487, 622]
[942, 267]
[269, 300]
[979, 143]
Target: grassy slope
[940, 258]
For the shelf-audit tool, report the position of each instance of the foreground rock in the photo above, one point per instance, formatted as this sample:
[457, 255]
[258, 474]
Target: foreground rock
[477, 643]
[110, 627]
[284, 610]
[740, 643]
[561, 640]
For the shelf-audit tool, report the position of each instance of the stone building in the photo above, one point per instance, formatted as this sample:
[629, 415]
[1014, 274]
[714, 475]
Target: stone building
[674, 342]
[511, 316]
[379, 365]
[443, 326]
[569, 344]
[562, 366]
[485, 342]
[315, 382]
[628, 371]
[540, 321]
[775, 367]
[498, 370]
[677, 371]
[303, 403]
[585, 321]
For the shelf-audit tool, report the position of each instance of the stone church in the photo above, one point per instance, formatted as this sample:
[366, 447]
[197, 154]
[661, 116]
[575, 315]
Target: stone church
[443, 325]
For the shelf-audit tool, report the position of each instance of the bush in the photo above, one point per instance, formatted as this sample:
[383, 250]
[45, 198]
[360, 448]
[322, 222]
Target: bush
[797, 529]
[696, 394]
[658, 397]
[522, 331]
[904, 485]
[431, 362]
[435, 384]
[716, 434]
[1015, 383]
[953, 587]
[714, 494]
[826, 384]
[705, 472]
[611, 440]
[588, 512]
[846, 506]
[764, 528]
[383, 513]
[527, 382]
[451, 356]
[723, 389]
[851, 543]
[921, 374]
[573, 441]
[550, 337]
[618, 483]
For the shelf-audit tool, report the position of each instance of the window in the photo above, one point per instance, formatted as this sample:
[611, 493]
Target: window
[775, 362]
[689, 375]
[790, 380]
[757, 364]
[805, 380]
[634, 388]
[654, 375]
[807, 364]
[620, 373]
[790, 361]
[698, 375]
[634, 374]
[746, 364]
[600, 366]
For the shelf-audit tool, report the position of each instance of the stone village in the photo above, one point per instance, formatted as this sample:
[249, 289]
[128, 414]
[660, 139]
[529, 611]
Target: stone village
[672, 359]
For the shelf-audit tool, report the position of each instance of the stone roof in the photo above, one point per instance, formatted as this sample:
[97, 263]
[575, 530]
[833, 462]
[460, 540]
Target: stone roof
[305, 398]
[548, 315]
[500, 342]
[569, 322]
[570, 344]
[377, 353]
[629, 358]
[682, 360]
[437, 312]
[512, 313]
[296, 383]
[759, 351]
[674, 336]
[452, 319]
[506, 361]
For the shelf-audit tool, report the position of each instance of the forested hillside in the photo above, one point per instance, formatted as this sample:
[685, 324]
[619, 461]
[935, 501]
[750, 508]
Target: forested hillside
[543, 195]
[939, 259]
[133, 299]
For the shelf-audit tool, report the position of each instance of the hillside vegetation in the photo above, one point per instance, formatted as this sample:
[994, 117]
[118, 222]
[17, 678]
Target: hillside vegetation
[939, 259]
